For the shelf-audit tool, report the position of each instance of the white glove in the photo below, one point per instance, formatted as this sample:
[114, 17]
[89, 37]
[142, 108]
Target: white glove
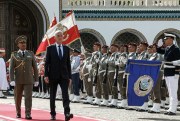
[117, 63]
[12, 83]
[36, 84]
[89, 79]
[97, 60]
[176, 76]
[177, 62]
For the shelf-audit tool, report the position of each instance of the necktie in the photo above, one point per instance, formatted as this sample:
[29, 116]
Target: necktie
[23, 53]
[59, 50]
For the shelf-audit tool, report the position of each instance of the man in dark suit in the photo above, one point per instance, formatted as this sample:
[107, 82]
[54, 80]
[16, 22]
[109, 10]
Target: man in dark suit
[171, 53]
[58, 71]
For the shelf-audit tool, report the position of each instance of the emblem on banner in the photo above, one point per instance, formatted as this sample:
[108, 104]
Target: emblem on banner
[143, 85]
[64, 29]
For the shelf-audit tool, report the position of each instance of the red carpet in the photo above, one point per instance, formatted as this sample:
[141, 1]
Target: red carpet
[8, 113]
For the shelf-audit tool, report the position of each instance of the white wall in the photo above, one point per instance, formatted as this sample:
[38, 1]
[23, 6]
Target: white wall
[109, 28]
[52, 7]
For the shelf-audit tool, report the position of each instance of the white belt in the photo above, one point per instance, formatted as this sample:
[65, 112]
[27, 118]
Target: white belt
[121, 72]
[86, 74]
[166, 66]
[102, 71]
[110, 71]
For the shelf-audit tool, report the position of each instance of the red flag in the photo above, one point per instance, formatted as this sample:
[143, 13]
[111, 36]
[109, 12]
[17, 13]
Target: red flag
[42, 47]
[70, 31]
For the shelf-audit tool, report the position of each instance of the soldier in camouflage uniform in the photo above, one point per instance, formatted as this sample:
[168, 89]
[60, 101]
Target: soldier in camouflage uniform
[142, 55]
[111, 72]
[120, 67]
[93, 68]
[131, 55]
[101, 71]
[156, 92]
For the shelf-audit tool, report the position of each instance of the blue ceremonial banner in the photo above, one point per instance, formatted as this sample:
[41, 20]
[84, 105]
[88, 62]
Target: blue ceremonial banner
[142, 77]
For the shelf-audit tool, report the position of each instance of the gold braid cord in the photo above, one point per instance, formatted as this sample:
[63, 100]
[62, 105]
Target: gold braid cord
[22, 62]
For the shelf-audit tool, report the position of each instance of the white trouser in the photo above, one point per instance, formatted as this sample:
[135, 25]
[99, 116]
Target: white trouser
[172, 85]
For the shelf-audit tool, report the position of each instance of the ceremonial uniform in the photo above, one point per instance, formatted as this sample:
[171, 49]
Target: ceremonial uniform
[93, 68]
[101, 72]
[171, 53]
[123, 88]
[111, 73]
[156, 92]
[23, 70]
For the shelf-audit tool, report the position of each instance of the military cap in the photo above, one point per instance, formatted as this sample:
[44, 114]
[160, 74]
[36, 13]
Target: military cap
[145, 44]
[105, 46]
[167, 35]
[115, 45]
[133, 44]
[76, 51]
[2, 50]
[21, 38]
[97, 43]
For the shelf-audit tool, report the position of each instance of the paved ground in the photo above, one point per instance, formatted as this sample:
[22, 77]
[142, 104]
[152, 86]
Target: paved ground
[100, 112]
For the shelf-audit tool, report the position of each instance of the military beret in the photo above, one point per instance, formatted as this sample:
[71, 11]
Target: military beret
[21, 38]
[167, 35]
[145, 44]
[97, 43]
[133, 44]
[76, 51]
[105, 46]
[115, 45]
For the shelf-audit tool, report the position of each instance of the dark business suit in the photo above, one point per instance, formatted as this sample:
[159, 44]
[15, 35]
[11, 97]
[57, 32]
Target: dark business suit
[58, 70]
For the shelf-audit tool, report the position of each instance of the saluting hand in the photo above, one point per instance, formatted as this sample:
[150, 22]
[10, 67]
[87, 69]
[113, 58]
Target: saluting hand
[46, 79]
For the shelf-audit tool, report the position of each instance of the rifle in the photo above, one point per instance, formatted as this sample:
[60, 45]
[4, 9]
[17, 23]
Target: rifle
[116, 79]
[96, 76]
[106, 74]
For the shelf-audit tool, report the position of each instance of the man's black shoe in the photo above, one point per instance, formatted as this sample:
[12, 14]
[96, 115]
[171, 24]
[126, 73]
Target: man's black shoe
[68, 117]
[53, 117]
[18, 115]
[170, 113]
[28, 117]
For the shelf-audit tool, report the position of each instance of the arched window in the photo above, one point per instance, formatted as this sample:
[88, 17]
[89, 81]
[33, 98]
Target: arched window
[128, 3]
[103, 2]
[99, 3]
[84, 2]
[111, 2]
[119, 2]
[142, 3]
[124, 3]
[72, 3]
[76, 3]
[80, 2]
[115, 3]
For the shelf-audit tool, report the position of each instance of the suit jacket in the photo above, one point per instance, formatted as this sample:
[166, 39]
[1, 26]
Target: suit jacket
[23, 70]
[172, 54]
[55, 68]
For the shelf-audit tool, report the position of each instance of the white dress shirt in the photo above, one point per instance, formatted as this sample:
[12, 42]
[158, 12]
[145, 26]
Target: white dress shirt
[57, 47]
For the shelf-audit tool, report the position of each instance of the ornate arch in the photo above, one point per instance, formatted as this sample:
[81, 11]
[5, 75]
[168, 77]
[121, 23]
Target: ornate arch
[95, 33]
[129, 30]
[169, 30]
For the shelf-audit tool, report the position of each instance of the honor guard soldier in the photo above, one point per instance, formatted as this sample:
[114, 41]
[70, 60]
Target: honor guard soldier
[93, 68]
[101, 72]
[171, 75]
[111, 73]
[85, 72]
[22, 76]
[156, 92]
[131, 55]
[142, 55]
[119, 71]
